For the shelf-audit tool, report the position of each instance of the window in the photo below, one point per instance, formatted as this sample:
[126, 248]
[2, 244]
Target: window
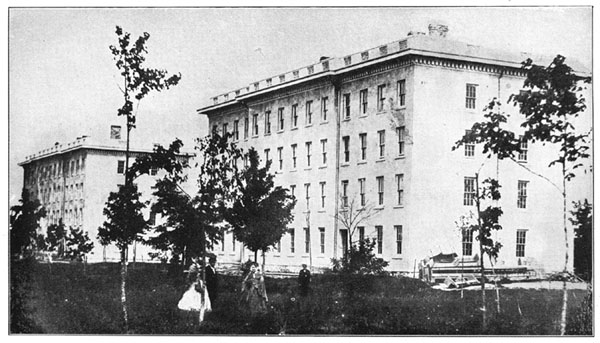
[379, 230]
[306, 240]
[152, 219]
[469, 195]
[294, 116]
[225, 128]
[346, 140]
[115, 132]
[308, 152]
[322, 186]
[471, 96]
[292, 241]
[361, 186]
[380, 97]
[524, 148]
[267, 122]
[347, 106]
[153, 171]
[294, 146]
[267, 158]
[322, 240]
[381, 135]
[522, 194]
[255, 124]
[361, 233]
[280, 119]
[309, 112]
[363, 146]
[236, 130]
[293, 190]
[223, 243]
[324, 151]
[324, 108]
[245, 161]
[278, 246]
[120, 167]
[307, 195]
[400, 134]
[280, 157]
[345, 193]
[364, 100]
[233, 243]
[398, 229]
[215, 129]
[400, 188]
[246, 126]
[401, 89]
[521, 243]
[469, 147]
[380, 189]
[467, 242]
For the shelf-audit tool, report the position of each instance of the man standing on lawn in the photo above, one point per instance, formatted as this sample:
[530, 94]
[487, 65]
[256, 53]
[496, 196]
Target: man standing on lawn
[212, 281]
[304, 280]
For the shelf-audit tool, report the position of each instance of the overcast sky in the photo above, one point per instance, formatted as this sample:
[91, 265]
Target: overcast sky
[63, 82]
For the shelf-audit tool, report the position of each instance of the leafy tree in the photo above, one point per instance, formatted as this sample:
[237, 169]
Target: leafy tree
[582, 221]
[24, 226]
[78, 245]
[259, 216]
[360, 259]
[55, 237]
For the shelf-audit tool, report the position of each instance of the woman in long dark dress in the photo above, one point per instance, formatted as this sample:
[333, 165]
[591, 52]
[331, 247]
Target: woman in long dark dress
[254, 294]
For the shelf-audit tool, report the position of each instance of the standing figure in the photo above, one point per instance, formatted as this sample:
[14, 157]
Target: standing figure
[212, 282]
[196, 298]
[254, 294]
[304, 280]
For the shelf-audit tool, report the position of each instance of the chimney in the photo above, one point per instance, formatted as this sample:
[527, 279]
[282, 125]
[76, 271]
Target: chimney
[438, 29]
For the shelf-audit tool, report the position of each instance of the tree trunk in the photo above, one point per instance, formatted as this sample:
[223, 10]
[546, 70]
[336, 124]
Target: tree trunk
[263, 260]
[255, 256]
[477, 202]
[123, 287]
[563, 315]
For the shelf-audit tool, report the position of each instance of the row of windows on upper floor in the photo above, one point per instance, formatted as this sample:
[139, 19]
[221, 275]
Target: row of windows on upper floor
[54, 193]
[71, 168]
[470, 192]
[71, 217]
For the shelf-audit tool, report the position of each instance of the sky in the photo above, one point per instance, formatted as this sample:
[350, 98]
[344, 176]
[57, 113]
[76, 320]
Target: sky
[63, 82]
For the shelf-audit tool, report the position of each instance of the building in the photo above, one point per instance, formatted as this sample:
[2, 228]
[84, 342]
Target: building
[73, 182]
[376, 129]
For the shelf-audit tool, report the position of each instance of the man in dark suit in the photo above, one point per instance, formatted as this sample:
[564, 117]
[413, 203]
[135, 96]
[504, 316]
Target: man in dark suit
[212, 282]
[304, 280]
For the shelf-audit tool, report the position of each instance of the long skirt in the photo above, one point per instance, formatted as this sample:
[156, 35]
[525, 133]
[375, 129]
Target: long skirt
[192, 301]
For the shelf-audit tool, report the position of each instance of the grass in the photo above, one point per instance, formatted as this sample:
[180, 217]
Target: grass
[61, 299]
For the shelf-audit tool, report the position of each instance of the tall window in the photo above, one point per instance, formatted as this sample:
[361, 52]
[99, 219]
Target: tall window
[469, 195]
[400, 188]
[381, 135]
[521, 243]
[246, 127]
[322, 186]
[215, 129]
[361, 186]
[467, 242]
[379, 230]
[522, 194]
[345, 193]
[236, 130]
[306, 240]
[307, 194]
[280, 157]
[400, 134]
[469, 147]
[153, 171]
[255, 124]
[524, 148]
[309, 112]
[401, 89]
[347, 106]
[380, 97]
[346, 141]
[152, 218]
[292, 241]
[280, 119]
[308, 153]
[361, 233]
[398, 229]
[364, 100]
[363, 146]
[293, 190]
[294, 146]
[380, 190]
[267, 157]
[471, 96]
[115, 132]
[225, 125]
[324, 151]
[267, 122]
[322, 240]
[324, 108]
[294, 116]
[233, 243]
[120, 167]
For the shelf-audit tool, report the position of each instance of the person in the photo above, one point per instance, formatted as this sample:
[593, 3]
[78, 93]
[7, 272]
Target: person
[304, 280]
[254, 294]
[196, 298]
[212, 281]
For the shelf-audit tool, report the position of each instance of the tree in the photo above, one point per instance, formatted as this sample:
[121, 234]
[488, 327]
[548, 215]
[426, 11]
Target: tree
[352, 214]
[78, 245]
[55, 237]
[360, 259]
[260, 214]
[551, 100]
[582, 221]
[24, 225]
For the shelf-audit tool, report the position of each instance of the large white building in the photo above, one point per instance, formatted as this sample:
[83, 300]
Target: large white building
[376, 128]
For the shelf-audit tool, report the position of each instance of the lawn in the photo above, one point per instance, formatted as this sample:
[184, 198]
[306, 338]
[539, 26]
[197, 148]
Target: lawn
[62, 299]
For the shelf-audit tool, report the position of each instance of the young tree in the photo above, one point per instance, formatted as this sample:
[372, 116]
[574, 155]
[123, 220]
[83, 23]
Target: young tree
[24, 226]
[78, 245]
[55, 238]
[582, 221]
[351, 215]
[360, 259]
[260, 214]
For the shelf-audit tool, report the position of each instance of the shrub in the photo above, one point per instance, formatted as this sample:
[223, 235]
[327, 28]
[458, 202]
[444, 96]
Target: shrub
[360, 259]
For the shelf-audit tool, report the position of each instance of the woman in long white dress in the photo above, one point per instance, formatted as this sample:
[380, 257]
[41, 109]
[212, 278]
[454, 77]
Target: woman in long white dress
[196, 297]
